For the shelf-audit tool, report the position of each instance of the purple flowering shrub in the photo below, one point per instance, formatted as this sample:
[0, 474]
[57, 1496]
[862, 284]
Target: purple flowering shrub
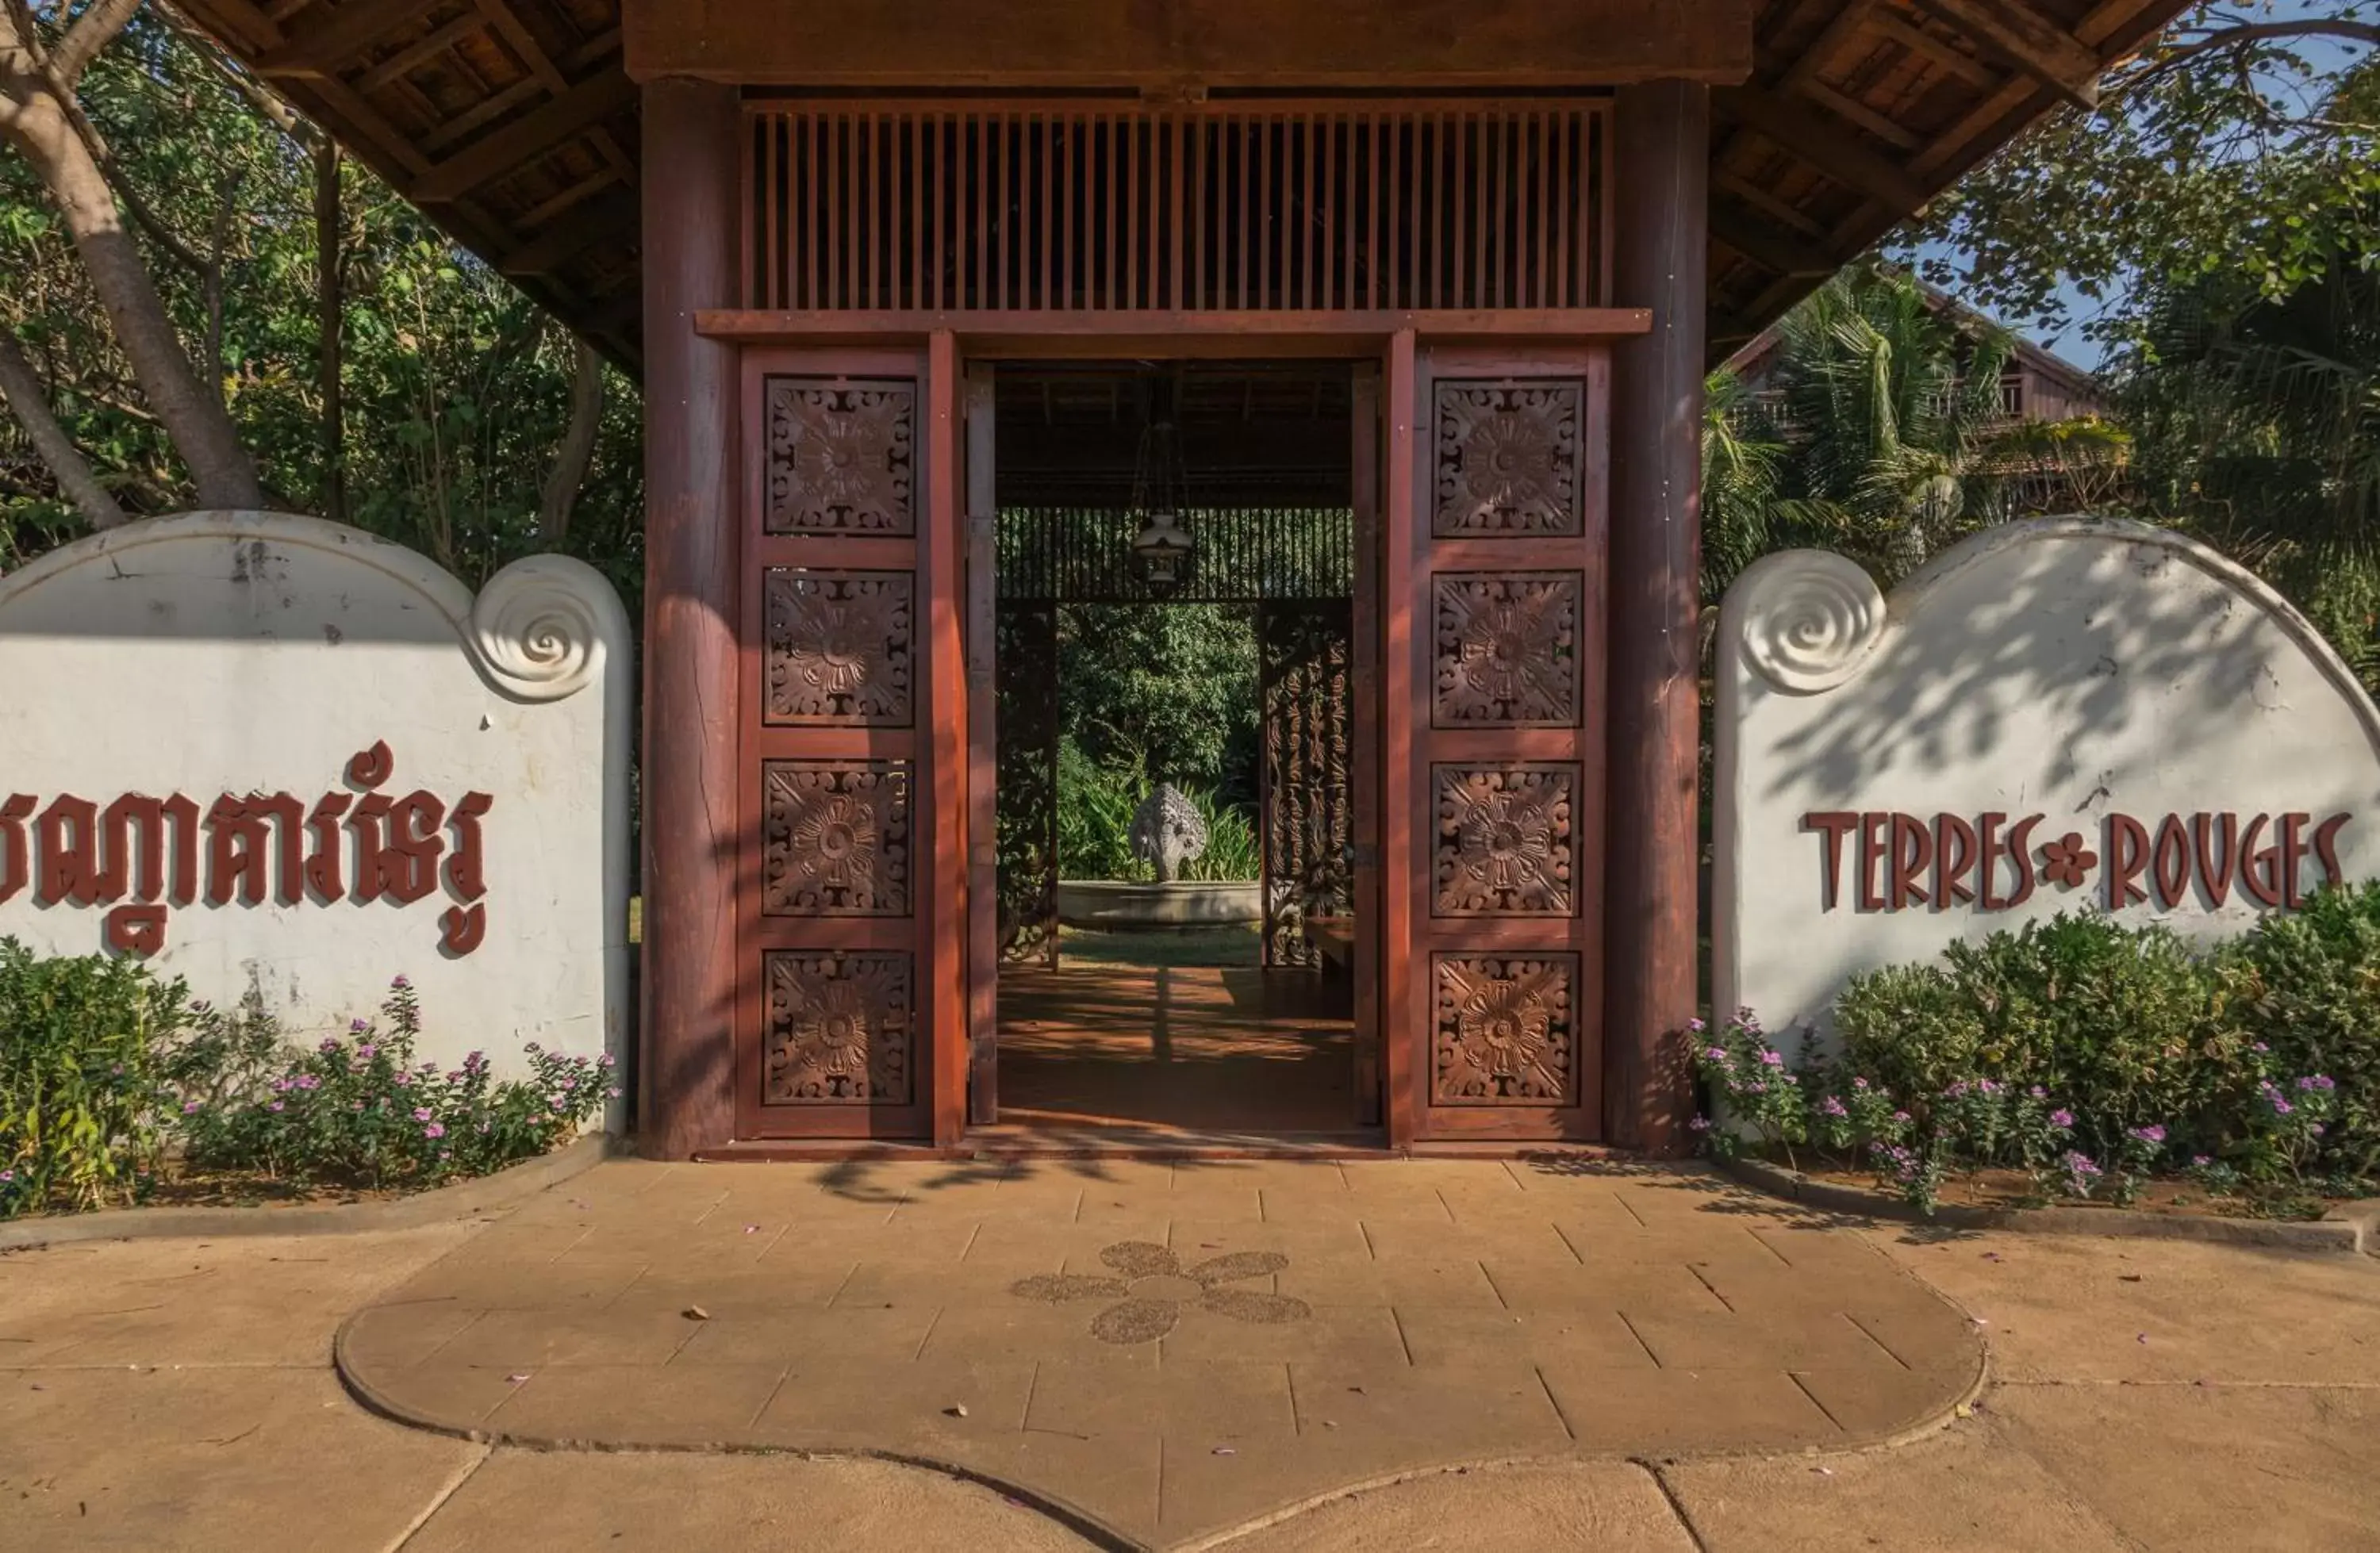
[358, 1111]
[1758, 1092]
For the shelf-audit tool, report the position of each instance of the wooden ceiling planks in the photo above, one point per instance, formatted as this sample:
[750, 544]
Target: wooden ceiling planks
[514, 124]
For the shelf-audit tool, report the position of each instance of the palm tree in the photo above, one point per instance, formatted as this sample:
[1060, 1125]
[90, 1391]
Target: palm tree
[1883, 437]
[2261, 431]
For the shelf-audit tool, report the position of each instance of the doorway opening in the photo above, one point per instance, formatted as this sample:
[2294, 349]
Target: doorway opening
[1175, 563]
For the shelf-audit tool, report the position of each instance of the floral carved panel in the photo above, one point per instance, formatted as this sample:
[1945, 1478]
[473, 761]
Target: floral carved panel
[839, 1029]
[1505, 649]
[1502, 1031]
[1507, 458]
[839, 647]
[842, 456]
[835, 838]
[1505, 844]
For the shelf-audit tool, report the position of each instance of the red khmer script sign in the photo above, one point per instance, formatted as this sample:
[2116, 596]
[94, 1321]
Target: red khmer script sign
[260, 847]
[1904, 860]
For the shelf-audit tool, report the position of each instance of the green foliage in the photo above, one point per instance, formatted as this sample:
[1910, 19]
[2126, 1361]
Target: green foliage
[79, 1046]
[1879, 435]
[1172, 687]
[2227, 155]
[2094, 1055]
[360, 1111]
[2305, 989]
[1095, 805]
[456, 386]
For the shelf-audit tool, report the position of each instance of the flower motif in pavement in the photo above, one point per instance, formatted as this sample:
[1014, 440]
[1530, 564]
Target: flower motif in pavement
[1151, 1286]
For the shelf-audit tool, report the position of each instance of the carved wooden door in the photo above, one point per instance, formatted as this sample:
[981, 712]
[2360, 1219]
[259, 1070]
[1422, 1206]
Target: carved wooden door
[1496, 550]
[849, 569]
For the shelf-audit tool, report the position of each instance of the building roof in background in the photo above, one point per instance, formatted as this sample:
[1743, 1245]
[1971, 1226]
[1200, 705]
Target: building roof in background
[512, 123]
[1750, 360]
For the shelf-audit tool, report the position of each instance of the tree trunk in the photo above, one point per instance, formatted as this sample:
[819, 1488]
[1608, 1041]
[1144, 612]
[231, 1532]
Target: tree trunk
[37, 122]
[330, 317]
[577, 450]
[22, 388]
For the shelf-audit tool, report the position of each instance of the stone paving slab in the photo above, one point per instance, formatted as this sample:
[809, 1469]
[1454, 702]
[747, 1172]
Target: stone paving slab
[1166, 1352]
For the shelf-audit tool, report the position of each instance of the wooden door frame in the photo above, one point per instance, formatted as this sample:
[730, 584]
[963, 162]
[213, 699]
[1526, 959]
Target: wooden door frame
[952, 1004]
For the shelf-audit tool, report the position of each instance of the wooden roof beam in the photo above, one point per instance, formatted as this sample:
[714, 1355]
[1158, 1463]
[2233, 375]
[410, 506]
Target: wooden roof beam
[405, 58]
[1836, 153]
[567, 116]
[323, 50]
[572, 234]
[1941, 51]
[2035, 44]
[1757, 240]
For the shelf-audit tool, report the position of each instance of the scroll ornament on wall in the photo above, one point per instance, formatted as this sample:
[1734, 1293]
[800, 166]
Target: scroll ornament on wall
[258, 847]
[1814, 622]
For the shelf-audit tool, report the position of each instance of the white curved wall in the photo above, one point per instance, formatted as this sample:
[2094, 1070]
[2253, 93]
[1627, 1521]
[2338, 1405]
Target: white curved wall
[231, 653]
[2073, 670]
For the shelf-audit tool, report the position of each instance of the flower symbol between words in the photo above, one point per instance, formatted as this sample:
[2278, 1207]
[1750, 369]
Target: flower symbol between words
[1152, 1286]
[2068, 861]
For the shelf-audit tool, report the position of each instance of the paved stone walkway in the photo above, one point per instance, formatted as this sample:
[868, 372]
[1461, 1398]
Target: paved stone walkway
[1163, 1352]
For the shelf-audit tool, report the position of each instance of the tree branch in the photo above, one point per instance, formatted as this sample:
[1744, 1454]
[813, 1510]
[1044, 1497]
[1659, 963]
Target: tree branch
[577, 450]
[2238, 35]
[32, 404]
[91, 31]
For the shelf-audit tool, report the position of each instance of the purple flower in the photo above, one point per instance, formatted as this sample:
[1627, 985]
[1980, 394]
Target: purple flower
[399, 983]
[2281, 1106]
[330, 1047]
[1716, 1054]
[2061, 1119]
[1699, 1125]
[605, 1060]
[1833, 1107]
[2260, 1046]
[190, 1107]
[403, 1078]
[2322, 1081]
[1901, 1116]
[1695, 1026]
[8, 1176]
[2038, 1093]
[274, 1106]
[422, 1113]
[2200, 1162]
[2079, 1164]
[613, 1091]
[307, 1081]
[1771, 1059]
[2148, 1135]
[2305, 1083]
[2315, 1127]
[367, 1049]
[357, 1027]
[435, 1130]
[1859, 1084]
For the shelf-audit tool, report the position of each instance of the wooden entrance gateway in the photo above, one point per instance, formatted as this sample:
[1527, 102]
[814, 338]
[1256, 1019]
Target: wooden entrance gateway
[1457, 257]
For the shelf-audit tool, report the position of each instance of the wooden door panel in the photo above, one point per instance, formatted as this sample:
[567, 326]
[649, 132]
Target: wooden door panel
[836, 867]
[1501, 849]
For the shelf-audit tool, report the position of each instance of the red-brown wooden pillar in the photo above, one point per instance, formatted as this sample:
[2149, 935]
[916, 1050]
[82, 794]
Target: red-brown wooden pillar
[692, 215]
[1662, 133]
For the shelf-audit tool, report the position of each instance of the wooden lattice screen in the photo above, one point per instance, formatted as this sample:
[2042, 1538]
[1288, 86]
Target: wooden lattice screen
[1227, 206]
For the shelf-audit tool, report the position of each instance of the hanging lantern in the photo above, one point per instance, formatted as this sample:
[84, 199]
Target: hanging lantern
[1164, 549]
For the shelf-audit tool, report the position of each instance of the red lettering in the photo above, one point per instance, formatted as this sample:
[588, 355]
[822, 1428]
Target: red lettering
[16, 848]
[133, 817]
[1874, 848]
[2021, 850]
[2326, 848]
[2128, 859]
[465, 879]
[1912, 854]
[1832, 825]
[1989, 851]
[2172, 861]
[1954, 859]
[329, 851]
[136, 929]
[2215, 881]
[67, 832]
[463, 929]
[2264, 885]
[2293, 851]
[416, 841]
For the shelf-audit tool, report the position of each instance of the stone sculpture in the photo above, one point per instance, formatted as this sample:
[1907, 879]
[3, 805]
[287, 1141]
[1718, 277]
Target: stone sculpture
[1168, 830]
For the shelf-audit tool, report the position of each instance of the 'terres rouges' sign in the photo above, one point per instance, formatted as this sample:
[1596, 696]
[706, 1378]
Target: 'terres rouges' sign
[1997, 862]
[284, 759]
[2057, 715]
[145, 853]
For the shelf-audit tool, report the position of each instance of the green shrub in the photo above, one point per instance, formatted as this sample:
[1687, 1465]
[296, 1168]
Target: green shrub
[1095, 805]
[80, 1040]
[2301, 993]
[358, 1111]
[2110, 1020]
